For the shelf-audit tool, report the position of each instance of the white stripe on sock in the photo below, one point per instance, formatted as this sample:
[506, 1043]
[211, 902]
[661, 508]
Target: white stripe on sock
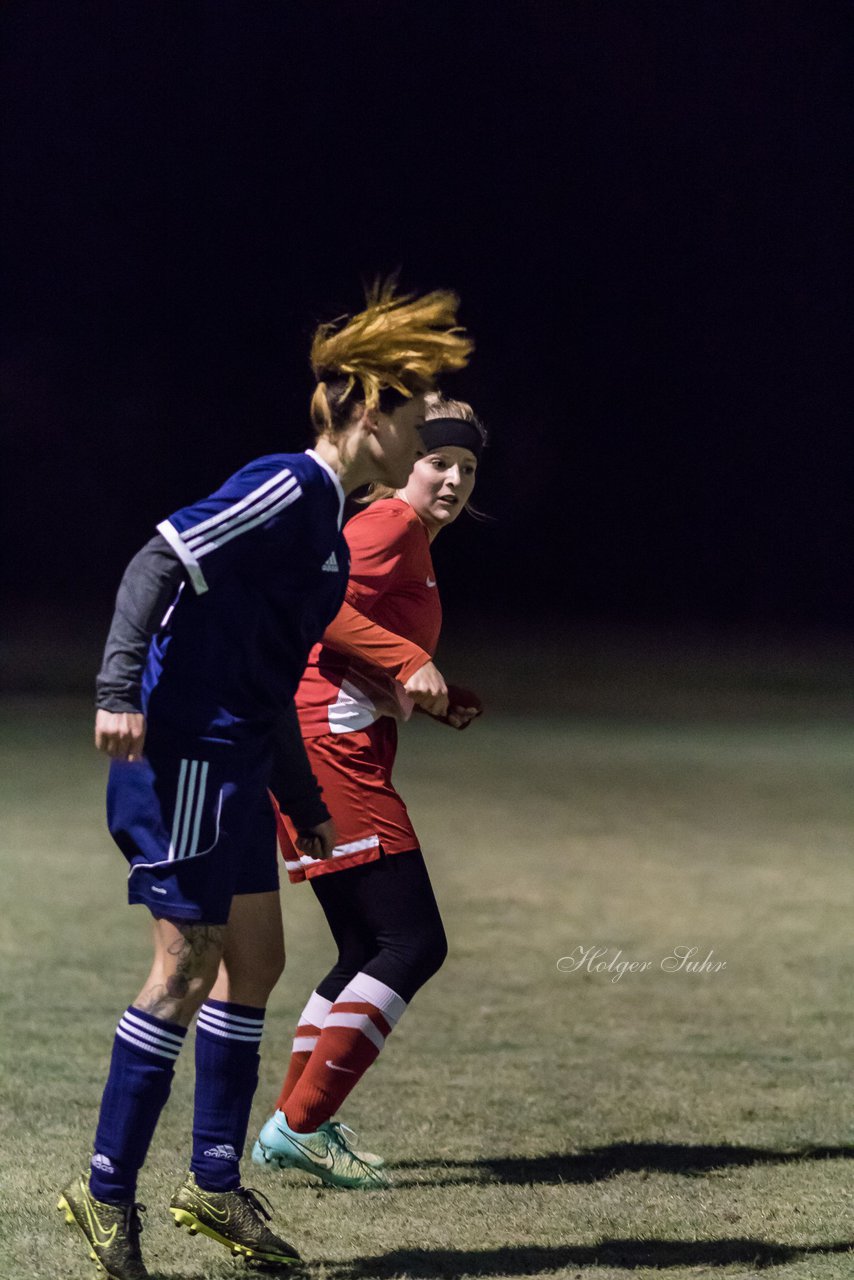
[168, 1037]
[213, 1029]
[304, 1044]
[237, 1020]
[145, 1043]
[360, 1022]
[316, 1009]
[365, 988]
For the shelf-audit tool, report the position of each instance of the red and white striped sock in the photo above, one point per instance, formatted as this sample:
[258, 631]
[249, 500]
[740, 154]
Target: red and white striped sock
[308, 1029]
[354, 1031]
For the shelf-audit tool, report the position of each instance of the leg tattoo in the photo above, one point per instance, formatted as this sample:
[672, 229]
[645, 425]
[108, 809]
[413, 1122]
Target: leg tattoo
[190, 958]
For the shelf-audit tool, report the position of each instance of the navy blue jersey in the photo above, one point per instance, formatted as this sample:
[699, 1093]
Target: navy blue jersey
[267, 566]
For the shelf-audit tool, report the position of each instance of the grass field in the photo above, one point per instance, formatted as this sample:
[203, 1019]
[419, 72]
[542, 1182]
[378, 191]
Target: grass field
[540, 1122]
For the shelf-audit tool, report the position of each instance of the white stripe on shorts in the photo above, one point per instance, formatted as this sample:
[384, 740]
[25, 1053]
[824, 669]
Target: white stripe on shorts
[189, 805]
[340, 851]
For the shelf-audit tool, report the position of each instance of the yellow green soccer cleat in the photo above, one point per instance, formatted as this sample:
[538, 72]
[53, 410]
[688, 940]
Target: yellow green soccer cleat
[325, 1153]
[111, 1230]
[236, 1219]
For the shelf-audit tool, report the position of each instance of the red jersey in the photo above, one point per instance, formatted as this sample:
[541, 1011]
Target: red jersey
[388, 626]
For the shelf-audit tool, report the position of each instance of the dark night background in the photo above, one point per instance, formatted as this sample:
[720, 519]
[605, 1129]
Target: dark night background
[643, 206]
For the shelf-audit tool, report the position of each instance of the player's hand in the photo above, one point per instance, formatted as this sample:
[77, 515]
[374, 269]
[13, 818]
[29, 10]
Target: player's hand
[463, 707]
[428, 690]
[461, 717]
[121, 734]
[319, 841]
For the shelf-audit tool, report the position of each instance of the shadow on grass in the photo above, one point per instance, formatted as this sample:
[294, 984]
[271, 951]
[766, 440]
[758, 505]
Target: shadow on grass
[600, 1163]
[532, 1260]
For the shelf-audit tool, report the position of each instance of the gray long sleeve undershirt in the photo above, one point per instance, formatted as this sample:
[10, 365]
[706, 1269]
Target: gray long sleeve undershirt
[151, 583]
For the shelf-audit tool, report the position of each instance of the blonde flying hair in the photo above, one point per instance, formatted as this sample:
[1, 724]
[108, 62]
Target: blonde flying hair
[399, 344]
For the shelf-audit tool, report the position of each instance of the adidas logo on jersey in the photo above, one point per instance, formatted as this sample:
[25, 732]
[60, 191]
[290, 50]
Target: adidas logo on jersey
[331, 565]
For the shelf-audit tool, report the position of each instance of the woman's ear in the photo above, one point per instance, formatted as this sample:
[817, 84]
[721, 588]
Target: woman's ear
[370, 419]
[359, 417]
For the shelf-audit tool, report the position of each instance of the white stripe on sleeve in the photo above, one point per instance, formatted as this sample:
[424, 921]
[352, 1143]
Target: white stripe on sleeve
[236, 508]
[188, 560]
[205, 548]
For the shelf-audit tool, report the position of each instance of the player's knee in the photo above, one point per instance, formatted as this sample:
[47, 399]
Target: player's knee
[251, 979]
[191, 993]
[269, 969]
[427, 952]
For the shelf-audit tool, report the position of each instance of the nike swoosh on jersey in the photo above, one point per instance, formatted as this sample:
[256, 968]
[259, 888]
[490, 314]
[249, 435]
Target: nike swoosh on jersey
[431, 582]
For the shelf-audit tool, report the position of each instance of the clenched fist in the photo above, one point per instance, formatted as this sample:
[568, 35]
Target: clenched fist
[121, 734]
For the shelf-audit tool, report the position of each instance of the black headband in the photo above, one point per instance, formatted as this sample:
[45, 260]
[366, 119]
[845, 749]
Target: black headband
[437, 432]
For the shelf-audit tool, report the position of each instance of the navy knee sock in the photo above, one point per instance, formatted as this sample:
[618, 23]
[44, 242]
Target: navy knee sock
[227, 1040]
[141, 1071]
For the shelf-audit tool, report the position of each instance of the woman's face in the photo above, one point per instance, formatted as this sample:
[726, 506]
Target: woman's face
[440, 485]
[397, 442]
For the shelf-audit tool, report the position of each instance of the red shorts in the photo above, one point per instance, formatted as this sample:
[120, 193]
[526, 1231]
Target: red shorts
[354, 770]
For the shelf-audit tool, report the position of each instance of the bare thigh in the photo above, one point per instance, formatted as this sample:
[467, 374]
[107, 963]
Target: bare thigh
[254, 951]
[186, 961]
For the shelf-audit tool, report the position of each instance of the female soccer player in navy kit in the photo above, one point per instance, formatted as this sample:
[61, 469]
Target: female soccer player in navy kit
[375, 661]
[214, 621]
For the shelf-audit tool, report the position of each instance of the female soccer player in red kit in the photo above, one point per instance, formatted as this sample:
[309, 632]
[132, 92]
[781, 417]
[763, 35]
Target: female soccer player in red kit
[374, 665]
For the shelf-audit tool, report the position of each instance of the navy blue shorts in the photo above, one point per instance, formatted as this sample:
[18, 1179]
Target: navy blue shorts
[196, 832]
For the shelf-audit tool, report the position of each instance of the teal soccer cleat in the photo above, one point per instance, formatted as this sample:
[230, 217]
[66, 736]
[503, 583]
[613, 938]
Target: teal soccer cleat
[326, 1154]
